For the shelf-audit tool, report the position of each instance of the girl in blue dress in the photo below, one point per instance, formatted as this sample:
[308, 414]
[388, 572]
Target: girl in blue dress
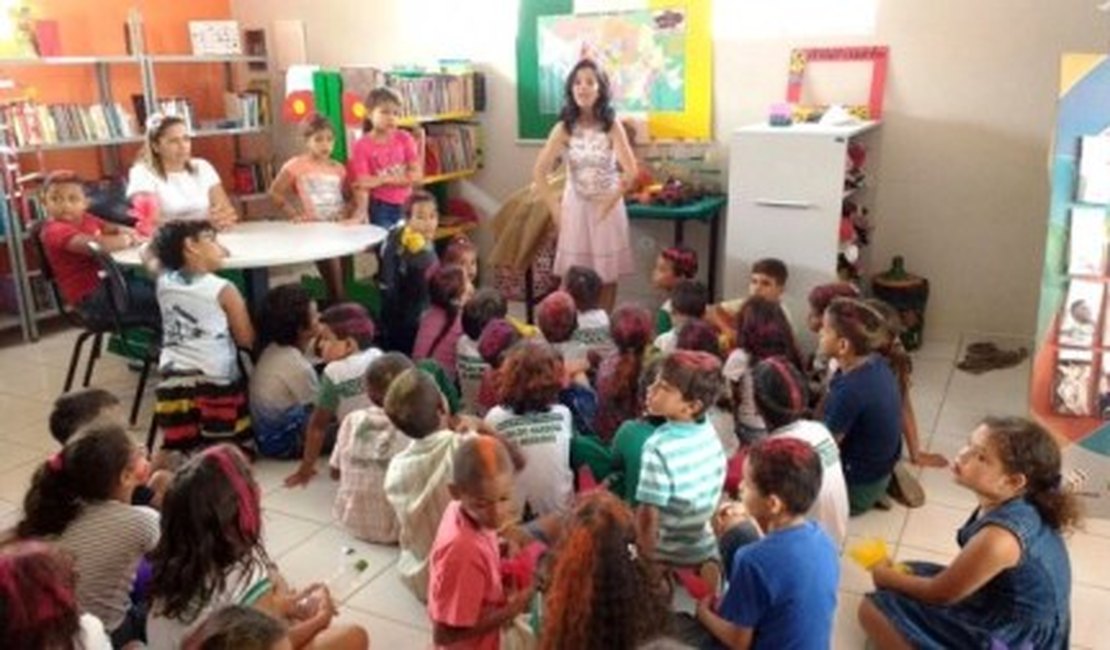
[1010, 585]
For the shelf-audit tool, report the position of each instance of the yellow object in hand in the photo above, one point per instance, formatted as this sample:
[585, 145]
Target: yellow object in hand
[412, 241]
[869, 553]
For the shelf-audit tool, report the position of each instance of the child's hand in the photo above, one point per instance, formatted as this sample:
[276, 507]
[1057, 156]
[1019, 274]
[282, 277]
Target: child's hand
[705, 605]
[729, 514]
[519, 601]
[301, 477]
[928, 459]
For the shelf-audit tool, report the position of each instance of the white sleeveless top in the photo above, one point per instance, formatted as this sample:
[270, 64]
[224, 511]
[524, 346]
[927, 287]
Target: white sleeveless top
[591, 162]
[195, 333]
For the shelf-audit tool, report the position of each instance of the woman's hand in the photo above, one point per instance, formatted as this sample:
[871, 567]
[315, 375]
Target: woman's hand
[608, 204]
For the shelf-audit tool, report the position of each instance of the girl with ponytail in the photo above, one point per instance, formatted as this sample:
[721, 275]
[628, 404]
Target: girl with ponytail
[1010, 585]
[619, 373]
[211, 555]
[81, 498]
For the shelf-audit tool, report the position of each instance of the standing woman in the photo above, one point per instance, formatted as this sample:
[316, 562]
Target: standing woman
[591, 220]
[180, 186]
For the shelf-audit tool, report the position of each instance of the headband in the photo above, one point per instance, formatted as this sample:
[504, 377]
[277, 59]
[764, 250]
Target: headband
[248, 498]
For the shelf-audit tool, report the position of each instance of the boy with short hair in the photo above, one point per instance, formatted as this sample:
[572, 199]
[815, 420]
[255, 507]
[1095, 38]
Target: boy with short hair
[782, 588]
[484, 306]
[689, 299]
[366, 443]
[682, 468]
[767, 280]
[75, 410]
[466, 599]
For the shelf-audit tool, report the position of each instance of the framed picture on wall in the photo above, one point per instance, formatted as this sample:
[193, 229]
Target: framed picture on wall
[1081, 311]
[1087, 241]
[1071, 383]
[215, 37]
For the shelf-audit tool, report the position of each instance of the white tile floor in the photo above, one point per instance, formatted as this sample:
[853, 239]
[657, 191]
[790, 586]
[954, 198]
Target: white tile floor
[305, 543]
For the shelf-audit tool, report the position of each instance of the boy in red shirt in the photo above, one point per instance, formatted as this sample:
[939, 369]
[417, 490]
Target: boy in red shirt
[66, 237]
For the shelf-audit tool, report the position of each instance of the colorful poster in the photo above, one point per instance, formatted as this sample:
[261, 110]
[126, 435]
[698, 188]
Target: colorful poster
[1079, 319]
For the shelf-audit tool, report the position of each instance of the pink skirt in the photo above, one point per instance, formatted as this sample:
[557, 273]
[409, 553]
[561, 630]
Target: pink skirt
[586, 239]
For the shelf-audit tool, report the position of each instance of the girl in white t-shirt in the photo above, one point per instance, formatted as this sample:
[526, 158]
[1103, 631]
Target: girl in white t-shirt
[211, 555]
[529, 415]
[182, 187]
[202, 397]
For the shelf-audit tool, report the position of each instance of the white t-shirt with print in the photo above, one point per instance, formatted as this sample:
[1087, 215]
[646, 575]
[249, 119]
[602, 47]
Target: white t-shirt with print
[181, 195]
[343, 384]
[546, 482]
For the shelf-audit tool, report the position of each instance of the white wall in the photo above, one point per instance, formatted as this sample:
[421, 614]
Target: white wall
[969, 114]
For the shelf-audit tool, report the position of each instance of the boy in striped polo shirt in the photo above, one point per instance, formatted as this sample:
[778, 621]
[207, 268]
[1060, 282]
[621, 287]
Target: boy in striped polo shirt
[683, 466]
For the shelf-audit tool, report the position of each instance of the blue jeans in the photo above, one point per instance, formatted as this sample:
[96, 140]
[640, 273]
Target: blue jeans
[385, 214]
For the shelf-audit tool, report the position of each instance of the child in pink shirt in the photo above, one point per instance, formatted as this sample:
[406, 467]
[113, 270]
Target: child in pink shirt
[449, 289]
[318, 183]
[384, 163]
[466, 600]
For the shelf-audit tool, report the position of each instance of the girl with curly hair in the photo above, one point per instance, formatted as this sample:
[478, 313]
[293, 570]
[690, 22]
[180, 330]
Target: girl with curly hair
[210, 555]
[530, 415]
[440, 328]
[603, 593]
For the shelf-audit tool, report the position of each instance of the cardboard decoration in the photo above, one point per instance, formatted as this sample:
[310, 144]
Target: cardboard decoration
[878, 55]
[297, 106]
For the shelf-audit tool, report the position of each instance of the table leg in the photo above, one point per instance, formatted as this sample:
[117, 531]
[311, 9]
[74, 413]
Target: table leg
[679, 228]
[714, 231]
[258, 283]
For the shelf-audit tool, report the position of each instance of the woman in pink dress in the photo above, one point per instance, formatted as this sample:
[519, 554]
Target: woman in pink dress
[592, 220]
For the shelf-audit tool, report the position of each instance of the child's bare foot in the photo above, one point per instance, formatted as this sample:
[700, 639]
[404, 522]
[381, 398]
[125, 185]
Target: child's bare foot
[929, 459]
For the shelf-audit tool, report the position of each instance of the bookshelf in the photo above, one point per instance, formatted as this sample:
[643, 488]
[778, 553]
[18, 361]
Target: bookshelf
[107, 127]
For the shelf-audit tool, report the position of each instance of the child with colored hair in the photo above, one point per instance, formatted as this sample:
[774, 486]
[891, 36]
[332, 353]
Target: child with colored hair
[584, 285]
[317, 183]
[461, 250]
[384, 163]
[366, 442]
[683, 466]
[467, 602]
[284, 383]
[762, 331]
[900, 362]
[498, 337]
[1010, 584]
[673, 265]
[417, 478]
[863, 409]
[700, 335]
[782, 588]
[603, 594]
[236, 627]
[557, 318]
[342, 384]
[210, 555]
[628, 443]
[437, 338]
[821, 296]
[485, 306]
[529, 414]
[618, 373]
[688, 302]
[81, 499]
[38, 608]
[407, 257]
[67, 237]
[201, 398]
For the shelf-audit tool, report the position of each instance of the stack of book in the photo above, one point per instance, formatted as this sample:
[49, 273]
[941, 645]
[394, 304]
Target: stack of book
[28, 124]
[422, 94]
[451, 147]
[249, 109]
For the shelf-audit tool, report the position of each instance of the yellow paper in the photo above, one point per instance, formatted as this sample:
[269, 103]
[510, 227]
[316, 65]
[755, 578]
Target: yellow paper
[869, 553]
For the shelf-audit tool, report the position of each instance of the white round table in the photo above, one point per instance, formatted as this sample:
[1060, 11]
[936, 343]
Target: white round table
[255, 246]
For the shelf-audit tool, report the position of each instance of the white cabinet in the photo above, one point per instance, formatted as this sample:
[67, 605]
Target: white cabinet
[786, 190]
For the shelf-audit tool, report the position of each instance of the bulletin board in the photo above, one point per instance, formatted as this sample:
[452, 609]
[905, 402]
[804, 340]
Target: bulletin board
[658, 57]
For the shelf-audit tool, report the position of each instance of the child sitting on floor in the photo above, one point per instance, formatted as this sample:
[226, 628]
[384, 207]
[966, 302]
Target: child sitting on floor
[407, 255]
[366, 443]
[529, 415]
[343, 383]
[437, 338]
[498, 337]
[557, 318]
[682, 467]
[767, 280]
[673, 265]
[201, 398]
[584, 285]
[688, 302]
[467, 602]
[237, 627]
[483, 307]
[284, 383]
[863, 409]
[1010, 584]
[619, 371]
[462, 252]
[81, 497]
[782, 588]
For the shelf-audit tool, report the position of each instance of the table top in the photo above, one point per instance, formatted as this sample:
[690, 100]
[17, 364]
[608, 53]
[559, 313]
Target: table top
[703, 209]
[256, 244]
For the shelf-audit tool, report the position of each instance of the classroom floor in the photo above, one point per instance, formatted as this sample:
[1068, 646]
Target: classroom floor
[302, 538]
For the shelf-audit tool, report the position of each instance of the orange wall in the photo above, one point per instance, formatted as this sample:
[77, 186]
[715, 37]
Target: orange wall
[96, 27]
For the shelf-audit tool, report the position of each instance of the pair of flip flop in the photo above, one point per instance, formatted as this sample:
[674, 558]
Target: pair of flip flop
[984, 356]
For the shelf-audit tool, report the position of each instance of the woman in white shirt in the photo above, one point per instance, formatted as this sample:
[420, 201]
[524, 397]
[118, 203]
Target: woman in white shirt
[182, 187]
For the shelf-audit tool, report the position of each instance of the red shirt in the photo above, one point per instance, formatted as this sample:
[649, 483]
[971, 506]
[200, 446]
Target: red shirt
[76, 273]
[465, 580]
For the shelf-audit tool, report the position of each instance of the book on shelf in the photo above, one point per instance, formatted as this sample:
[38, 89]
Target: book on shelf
[450, 147]
[252, 176]
[423, 94]
[29, 124]
[248, 109]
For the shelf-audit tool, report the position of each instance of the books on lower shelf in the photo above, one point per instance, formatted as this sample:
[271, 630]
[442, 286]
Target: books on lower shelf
[422, 94]
[28, 124]
[252, 176]
[450, 147]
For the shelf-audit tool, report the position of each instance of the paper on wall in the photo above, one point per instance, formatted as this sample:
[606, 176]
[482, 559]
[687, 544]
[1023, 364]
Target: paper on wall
[1087, 241]
[1094, 170]
[299, 77]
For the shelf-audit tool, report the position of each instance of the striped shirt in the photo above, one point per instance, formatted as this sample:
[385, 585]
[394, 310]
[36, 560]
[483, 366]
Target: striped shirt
[681, 474]
[546, 483]
[366, 442]
[107, 540]
[416, 486]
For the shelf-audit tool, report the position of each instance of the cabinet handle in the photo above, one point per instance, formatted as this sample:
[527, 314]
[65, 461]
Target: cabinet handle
[779, 203]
